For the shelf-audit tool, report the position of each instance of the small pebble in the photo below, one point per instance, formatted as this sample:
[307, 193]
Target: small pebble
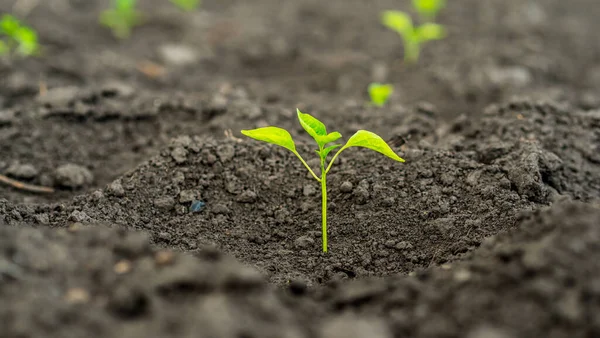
[303, 242]
[247, 197]
[73, 176]
[164, 203]
[23, 171]
[186, 196]
[346, 187]
[197, 206]
[116, 189]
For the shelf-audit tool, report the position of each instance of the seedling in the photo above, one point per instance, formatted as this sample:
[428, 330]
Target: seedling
[380, 93]
[415, 36]
[428, 9]
[316, 129]
[121, 18]
[15, 36]
[186, 5]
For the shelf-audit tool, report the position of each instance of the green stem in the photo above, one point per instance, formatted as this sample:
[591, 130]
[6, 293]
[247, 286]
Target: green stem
[324, 204]
[308, 167]
[411, 51]
[333, 160]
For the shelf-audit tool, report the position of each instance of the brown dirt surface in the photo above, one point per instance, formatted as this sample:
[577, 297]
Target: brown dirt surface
[166, 222]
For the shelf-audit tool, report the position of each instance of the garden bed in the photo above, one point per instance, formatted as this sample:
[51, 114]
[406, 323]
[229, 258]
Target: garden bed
[489, 229]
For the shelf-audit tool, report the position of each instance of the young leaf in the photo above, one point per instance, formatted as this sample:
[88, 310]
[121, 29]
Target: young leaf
[380, 93]
[27, 40]
[316, 129]
[367, 139]
[331, 137]
[186, 5]
[428, 8]
[273, 135]
[327, 150]
[430, 31]
[397, 21]
[312, 126]
[9, 25]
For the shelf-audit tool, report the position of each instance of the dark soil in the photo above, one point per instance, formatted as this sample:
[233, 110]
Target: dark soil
[490, 228]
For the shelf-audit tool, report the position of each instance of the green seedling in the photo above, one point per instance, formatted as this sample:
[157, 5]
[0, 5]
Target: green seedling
[413, 36]
[428, 9]
[15, 36]
[317, 130]
[380, 93]
[121, 18]
[186, 5]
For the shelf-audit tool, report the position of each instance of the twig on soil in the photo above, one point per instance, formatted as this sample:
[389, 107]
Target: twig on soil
[25, 186]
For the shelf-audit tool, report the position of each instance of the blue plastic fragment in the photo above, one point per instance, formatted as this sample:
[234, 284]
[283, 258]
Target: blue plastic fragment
[197, 206]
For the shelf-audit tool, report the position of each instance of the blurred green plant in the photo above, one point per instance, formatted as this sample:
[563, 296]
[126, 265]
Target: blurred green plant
[317, 130]
[428, 9]
[17, 37]
[380, 93]
[121, 18]
[415, 36]
[187, 5]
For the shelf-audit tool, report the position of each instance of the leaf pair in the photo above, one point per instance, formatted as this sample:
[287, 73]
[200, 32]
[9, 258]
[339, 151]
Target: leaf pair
[402, 23]
[428, 9]
[186, 5]
[20, 37]
[121, 18]
[380, 93]
[317, 130]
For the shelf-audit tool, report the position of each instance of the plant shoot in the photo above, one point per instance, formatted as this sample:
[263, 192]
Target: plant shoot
[17, 37]
[428, 9]
[121, 18]
[380, 93]
[317, 130]
[187, 5]
[413, 36]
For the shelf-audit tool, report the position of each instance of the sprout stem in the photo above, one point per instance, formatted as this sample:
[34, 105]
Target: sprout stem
[307, 167]
[324, 204]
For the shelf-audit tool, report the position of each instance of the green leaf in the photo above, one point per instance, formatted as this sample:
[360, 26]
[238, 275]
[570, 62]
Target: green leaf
[327, 150]
[273, 135]
[397, 21]
[312, 126]
[380, 93]
[186, 5]
[27, 40]
[428, 9]
[331, 137]
[367, 139]
[316, 129]
[9, 25]
[125, 5]
[430, 31]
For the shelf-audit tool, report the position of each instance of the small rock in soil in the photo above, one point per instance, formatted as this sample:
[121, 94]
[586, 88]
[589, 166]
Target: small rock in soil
[23, 171]
[220, 209]
[178, 55]
[225, 152]
[42, 218]
[247, 197]
[116, 189]
[346, 187]
[197, 206]
[73, 176]
[79, 216]
[186, 196]
[179, 154]
[303, 242]
[309, 190]
[164, 203]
